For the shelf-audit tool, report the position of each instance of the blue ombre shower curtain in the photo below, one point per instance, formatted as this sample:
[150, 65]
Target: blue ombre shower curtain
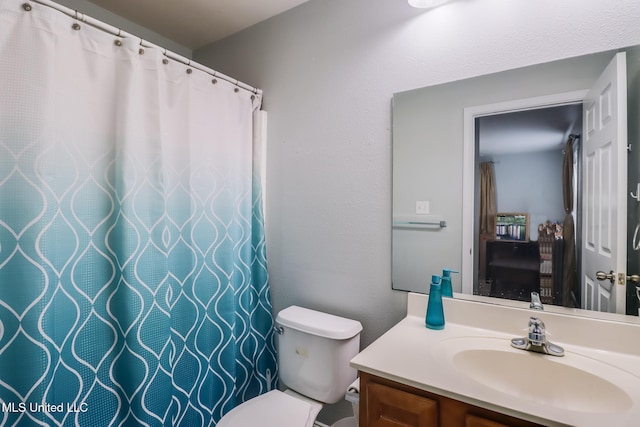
[133, 276]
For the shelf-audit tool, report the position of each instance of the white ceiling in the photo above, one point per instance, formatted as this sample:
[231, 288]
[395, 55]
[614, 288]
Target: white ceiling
[197, 23]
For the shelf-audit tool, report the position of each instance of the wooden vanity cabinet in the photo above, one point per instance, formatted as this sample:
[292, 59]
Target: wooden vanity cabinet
[385, 403]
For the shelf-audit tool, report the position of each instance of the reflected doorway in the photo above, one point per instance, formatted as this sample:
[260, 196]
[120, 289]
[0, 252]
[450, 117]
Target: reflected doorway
[525, 150]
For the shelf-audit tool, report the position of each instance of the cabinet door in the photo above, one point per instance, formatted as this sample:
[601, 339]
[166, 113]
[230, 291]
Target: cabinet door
[386, 403]
[389, 407]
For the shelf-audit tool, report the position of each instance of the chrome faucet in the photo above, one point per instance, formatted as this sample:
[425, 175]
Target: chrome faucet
[536, 304]
[536, 340]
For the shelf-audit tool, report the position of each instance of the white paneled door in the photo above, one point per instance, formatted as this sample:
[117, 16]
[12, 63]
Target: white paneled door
[604, 201]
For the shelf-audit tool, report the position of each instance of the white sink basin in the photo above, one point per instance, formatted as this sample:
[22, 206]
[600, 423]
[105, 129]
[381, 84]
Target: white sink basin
[574, 382]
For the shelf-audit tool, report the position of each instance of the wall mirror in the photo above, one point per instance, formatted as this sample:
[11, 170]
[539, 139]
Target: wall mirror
[519, 122]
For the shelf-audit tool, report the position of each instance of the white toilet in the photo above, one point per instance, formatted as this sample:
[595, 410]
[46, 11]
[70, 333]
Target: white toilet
[314, 350]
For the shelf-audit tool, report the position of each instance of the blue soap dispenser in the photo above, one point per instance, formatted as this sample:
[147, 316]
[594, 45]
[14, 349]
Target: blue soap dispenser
[435, 311]
[447, 290]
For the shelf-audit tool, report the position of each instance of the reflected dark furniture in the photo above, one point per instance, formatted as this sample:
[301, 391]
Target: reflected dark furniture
[513, 269]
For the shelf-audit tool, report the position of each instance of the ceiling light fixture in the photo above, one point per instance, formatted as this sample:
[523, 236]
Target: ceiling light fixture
[426, 4]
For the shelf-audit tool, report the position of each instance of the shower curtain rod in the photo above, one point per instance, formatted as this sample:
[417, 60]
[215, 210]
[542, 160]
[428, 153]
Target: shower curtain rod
[144, 43]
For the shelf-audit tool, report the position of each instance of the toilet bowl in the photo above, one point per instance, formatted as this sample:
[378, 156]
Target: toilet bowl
[314, 350]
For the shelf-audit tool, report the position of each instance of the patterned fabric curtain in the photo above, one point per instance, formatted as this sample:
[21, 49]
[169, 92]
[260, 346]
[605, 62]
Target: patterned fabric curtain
[133, 276]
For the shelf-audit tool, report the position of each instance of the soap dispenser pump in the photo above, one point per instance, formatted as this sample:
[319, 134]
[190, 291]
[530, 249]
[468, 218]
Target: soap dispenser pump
[447, 289]
[435, 311]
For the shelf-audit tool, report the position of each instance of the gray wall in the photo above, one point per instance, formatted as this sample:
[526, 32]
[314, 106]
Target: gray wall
[329, 69]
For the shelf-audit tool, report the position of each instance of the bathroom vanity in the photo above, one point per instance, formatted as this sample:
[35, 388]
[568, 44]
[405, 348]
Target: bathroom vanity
[468, 374]
[389, 403]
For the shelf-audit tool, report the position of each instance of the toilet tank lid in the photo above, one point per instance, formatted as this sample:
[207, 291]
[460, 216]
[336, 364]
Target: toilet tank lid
[318, 323]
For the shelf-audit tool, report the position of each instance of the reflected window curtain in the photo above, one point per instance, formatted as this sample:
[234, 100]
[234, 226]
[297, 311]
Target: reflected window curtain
[133, 273]
[569, 273]
[488, 210]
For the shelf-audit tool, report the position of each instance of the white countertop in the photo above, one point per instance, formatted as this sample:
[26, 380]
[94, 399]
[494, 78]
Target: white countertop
[411, 354]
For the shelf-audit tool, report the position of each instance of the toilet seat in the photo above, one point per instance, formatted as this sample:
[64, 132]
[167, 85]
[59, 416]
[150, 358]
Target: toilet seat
[272, 409]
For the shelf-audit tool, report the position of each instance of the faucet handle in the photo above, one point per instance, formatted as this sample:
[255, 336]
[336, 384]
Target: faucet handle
[536, 304]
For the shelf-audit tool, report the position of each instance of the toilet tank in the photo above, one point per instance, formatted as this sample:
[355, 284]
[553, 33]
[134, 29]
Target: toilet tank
[314, 350]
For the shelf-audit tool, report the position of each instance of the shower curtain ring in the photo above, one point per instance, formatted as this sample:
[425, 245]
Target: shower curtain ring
[75, 25]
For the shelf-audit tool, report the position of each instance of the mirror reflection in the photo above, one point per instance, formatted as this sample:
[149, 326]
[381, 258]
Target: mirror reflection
[525, 126]
[522, 166]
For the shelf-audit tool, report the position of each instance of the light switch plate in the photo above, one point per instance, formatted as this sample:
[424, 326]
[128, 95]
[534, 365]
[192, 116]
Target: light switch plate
[422, 207]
